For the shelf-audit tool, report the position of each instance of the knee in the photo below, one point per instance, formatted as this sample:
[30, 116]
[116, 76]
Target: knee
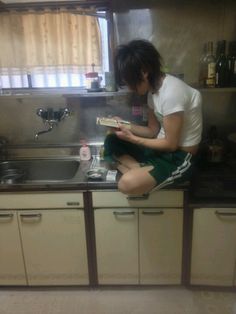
[126, 184]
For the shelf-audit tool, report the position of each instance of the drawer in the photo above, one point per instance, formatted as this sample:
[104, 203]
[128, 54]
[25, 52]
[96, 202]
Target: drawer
[167, 198]
[41, 200]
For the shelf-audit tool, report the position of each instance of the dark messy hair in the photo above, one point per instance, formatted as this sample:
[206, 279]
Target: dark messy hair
[135, 58]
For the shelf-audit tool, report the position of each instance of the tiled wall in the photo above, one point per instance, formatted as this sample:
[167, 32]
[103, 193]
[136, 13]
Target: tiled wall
[178, 28]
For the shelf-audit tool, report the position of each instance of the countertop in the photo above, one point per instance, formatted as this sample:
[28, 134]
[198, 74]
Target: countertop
[200, 194]
[79, 182]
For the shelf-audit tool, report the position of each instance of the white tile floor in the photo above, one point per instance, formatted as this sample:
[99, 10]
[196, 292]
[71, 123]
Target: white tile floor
[116, 301]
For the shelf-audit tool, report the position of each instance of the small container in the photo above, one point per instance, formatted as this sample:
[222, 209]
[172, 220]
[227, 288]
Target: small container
[92, 77]
[84, 152]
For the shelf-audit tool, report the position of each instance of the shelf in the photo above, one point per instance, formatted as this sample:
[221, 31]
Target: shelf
[218, 90]
[63, 92]
[98, 94]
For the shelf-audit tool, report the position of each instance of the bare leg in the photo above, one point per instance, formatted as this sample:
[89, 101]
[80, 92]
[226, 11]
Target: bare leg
[137, 181]
[123, 169]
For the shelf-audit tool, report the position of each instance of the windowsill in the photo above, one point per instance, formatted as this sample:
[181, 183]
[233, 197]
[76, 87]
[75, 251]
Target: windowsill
[63, 91]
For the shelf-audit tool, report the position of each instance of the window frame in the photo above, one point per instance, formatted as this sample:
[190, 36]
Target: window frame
[103, 9]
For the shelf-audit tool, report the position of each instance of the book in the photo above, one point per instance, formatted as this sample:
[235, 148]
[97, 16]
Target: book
[113, 123]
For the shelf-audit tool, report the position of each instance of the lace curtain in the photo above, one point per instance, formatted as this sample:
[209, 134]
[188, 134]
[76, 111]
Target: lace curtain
[52, 46]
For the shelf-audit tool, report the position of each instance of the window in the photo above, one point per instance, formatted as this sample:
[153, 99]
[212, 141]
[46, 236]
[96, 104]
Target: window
[56, 62]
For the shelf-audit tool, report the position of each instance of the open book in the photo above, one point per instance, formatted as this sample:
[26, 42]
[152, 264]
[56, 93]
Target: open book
[113, 123]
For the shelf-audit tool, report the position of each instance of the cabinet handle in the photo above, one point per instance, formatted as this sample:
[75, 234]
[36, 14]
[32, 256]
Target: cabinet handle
[72, 203]
[6, 216]
[124, 213]
[152, 213]
[30, 216]
[219, 213]
[138, 198]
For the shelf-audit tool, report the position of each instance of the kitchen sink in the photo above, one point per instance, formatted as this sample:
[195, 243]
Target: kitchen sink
[38, 170]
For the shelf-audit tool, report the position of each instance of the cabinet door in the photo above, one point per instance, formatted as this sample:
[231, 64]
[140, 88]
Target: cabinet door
[160, 236]
[213, 246]
[117, 245]
[12, 271]
[54, 246]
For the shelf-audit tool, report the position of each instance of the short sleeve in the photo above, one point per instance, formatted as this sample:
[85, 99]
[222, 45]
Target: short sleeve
[172, 104]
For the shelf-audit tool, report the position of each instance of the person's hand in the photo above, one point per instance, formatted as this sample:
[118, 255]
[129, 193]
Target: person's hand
[113, 130]
[117, 118]
[125, 134]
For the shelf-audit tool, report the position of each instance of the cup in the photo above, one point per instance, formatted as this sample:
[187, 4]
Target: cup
[110, 85]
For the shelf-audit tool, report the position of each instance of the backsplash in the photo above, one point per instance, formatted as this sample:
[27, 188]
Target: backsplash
[19, 121]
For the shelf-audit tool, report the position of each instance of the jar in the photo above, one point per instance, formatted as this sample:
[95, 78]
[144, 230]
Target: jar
[90, 78]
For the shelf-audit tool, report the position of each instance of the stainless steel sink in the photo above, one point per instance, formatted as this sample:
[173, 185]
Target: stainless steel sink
[38, 170]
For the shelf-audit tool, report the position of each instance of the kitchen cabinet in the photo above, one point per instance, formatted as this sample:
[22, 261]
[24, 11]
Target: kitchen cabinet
[117, 245]
[50, 236]
[12, 270]
[139, 241]
[160, 241]
[213, 259]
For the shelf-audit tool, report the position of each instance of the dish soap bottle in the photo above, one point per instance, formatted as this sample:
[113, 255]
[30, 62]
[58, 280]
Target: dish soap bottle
[84, 152]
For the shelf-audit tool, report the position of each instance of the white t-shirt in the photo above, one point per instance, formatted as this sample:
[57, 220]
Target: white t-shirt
[174, 96]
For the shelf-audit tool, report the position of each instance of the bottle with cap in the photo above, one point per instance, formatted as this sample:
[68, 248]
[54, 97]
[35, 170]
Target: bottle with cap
[84, 152]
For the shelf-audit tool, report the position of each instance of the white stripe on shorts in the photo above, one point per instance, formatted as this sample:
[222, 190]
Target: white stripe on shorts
[175, 174]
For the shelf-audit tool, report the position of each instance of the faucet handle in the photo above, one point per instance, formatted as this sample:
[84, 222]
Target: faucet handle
[65, 112]
[41, 113]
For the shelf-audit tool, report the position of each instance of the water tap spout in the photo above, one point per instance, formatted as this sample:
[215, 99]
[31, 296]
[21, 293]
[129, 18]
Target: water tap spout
[42, 132]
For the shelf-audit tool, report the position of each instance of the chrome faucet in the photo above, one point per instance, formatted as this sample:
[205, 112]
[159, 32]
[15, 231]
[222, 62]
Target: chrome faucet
[51, 118]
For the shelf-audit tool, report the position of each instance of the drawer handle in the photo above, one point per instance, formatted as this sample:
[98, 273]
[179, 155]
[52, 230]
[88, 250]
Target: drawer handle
[138, 198]
[73, 203]
[152, 213]
[219, 213]
[6, 215]
[31, 216]
[123, 213]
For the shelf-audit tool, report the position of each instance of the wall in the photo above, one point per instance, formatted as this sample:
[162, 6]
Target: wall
[178, 28]
[219, 108]
[19, 122]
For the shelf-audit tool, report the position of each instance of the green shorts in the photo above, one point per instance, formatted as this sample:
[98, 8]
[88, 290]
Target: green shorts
[168, 167]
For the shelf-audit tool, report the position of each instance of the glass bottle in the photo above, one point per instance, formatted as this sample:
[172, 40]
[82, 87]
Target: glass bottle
[201, 78]
[232, 63]
[222, 66]
[207, 67]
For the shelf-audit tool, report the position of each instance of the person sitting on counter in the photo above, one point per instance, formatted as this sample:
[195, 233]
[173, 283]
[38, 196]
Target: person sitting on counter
[163, 152]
